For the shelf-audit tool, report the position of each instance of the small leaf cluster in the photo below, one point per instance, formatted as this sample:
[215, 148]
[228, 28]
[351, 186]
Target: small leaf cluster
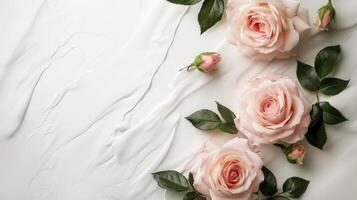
[210, 13]
[293, 187]
[175, 181]
[314, 79]
[208, 120]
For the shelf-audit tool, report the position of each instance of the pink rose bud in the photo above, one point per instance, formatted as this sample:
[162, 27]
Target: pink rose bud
[296, 154]
[326, 17]
[205, 62]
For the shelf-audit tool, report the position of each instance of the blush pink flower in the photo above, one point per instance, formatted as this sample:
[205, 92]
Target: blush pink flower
[232, 172]
[205, 62]
[272, 108]
[296, 154]
[326, 17]
[209, 62]
[265, 29]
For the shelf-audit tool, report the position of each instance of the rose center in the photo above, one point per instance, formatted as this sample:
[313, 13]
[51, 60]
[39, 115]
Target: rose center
[256, 25]
[233, 176]
[268, 105]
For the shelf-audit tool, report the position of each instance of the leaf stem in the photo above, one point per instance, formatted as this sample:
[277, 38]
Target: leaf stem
[317, 97]
[183, 68]
[188, 67]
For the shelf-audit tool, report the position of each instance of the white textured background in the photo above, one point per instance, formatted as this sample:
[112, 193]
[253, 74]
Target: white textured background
[91, 100]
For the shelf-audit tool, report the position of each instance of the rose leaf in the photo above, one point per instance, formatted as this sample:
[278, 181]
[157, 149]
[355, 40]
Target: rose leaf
[278, 198]
[204, 120]
[316, 135]
[211, 12]
[228, 128]
[316, 114]
[333, 86]
[331, 115]
[172, 180]
[190, 179]
[193, 196]
[294, 187]
[327, 59]
[269, 186]
[226, 113]
[184, 2]
[307, 76]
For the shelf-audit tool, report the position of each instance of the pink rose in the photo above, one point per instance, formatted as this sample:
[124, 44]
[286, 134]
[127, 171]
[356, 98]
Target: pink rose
[205, 62]
[265, 29]
[209, 61]
[296, 154]
[232, 172]
[326, 17]
[272, 108]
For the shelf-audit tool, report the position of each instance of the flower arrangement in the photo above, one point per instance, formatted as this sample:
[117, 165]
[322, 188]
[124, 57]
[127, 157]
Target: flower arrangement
[272, 108]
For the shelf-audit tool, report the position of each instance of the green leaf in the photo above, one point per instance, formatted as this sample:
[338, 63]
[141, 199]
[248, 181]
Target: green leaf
[228, 116]
[211, 12]
[307, 76]
[278, 198]
[316, 135]
[294, 187]
[184, 2]
[281, 198]
[226, 113]
[204, 120]
[228, 128]
[190, 179]
[269, 186]
[331, 115]
[315, 114]
[193, 196]
[327, 59]
[172, 180]
[333, 86]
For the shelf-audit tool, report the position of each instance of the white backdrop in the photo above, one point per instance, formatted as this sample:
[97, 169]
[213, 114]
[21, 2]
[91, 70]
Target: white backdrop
[92, 102]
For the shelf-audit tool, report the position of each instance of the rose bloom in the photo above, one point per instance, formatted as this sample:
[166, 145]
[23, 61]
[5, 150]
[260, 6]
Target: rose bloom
[272, 108]
[232, 172]
[297, 154]
[265, 29]
[326, 17]
[209, 61]
[325, 21]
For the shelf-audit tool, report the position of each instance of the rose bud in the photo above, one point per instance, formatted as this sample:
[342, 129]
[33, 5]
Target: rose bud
[205, 62]
[326, 17]
[296, 154]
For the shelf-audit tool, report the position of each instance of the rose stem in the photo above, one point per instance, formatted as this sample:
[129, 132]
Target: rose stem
[317, 97]
[183, 68]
